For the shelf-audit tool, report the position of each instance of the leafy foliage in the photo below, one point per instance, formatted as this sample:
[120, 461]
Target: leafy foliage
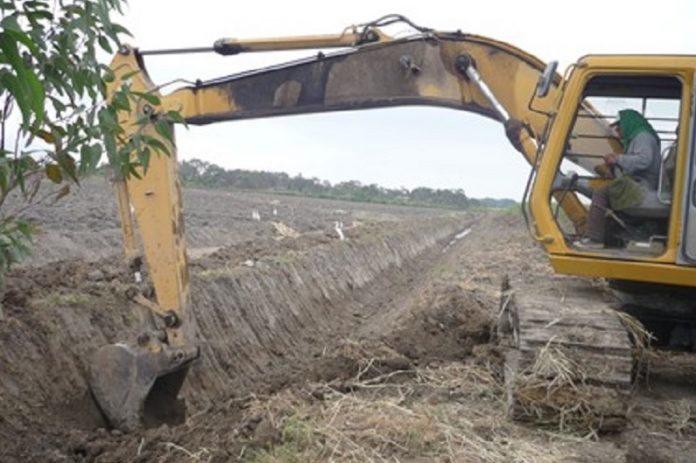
[56, 122]
[203, 174]
[14, 242]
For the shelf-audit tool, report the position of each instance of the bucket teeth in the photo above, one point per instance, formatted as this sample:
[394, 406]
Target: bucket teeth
[121, 376]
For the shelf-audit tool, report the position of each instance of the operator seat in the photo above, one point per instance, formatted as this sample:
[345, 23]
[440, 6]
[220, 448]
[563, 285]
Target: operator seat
[651, 208]
[656, 204]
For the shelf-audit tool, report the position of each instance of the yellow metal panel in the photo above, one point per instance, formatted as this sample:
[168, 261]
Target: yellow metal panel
[191, 102]
[625, 270]
[156, 200]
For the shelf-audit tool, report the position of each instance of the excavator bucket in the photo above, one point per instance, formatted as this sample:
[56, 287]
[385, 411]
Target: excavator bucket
[135, 385]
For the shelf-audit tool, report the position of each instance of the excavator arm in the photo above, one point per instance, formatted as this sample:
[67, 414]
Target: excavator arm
[452, 70]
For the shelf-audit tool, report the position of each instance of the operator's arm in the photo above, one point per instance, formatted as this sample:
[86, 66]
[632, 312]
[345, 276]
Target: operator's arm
[640, 154]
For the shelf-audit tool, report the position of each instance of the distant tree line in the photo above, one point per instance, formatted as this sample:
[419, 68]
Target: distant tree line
[197, 173]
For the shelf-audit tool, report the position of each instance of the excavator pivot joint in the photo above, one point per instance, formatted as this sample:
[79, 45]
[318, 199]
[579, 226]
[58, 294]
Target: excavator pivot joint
[463, 63]
[369, 36]
[171, 319]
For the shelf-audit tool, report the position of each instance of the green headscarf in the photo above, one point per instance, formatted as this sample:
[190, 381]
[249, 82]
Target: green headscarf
[632, 123]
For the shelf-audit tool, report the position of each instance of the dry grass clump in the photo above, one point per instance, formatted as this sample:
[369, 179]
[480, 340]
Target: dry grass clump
[285, 230]
[553, 391]
[669, 411]
[640, 337]
[367, 355]
[676, 416]
[448, 413]
[352, 362]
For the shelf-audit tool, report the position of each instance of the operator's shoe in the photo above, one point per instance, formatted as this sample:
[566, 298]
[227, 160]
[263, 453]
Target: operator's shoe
[588, 244]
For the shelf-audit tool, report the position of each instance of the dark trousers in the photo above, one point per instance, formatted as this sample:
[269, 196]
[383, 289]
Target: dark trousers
[596, 220]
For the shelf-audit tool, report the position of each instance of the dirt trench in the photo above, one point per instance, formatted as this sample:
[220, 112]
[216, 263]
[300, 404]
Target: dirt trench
[260, 327]
[283, 312]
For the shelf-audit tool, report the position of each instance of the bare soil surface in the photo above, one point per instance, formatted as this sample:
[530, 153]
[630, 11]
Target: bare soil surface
[85, 225]
[380, 347]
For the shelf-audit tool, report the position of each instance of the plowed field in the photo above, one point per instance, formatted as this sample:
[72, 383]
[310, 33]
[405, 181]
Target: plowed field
[379, 347]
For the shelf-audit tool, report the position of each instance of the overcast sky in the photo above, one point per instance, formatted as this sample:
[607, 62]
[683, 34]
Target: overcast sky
[410, 146]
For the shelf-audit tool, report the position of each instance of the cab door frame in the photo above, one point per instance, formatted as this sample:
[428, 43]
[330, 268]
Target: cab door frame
[687, 250]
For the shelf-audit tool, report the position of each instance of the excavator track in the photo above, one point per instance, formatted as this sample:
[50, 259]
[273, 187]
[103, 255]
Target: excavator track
[570, 359]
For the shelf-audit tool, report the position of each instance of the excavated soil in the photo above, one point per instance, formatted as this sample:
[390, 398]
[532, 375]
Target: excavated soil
[302, 331]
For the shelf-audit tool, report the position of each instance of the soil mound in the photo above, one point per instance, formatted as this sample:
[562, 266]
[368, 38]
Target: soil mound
[446, 323]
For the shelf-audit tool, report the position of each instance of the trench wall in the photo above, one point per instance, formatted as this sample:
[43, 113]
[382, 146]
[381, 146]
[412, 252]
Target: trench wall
[250, 323]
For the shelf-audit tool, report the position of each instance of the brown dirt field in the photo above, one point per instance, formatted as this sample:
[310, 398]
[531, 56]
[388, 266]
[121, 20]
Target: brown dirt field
[377, 348]
[85, 225]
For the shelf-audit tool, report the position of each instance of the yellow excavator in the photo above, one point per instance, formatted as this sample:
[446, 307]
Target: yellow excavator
[560, 124]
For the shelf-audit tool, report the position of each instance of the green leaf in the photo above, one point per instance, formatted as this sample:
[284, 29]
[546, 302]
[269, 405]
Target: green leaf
[8, 44]
[109, 76]
[37, 95]
[149, 97]
[26, 87]
[175, 116]
[36, 5]
[119, 29]
[164, 128]
[134, 144]
[120, 102]
[27, 163]
[131, 169]
[108, 121]
[58, 132]
[144, 159]
[24, 227]
[20, 167]
[58, 105]
[67, 163]
[142, 119]
[35, 15]
[10, 23]
[89, 158]
[156, 144]
[130, 74]
[111, 150]
[104, 44]
[4, 175]
[16, 89]
[19, 36]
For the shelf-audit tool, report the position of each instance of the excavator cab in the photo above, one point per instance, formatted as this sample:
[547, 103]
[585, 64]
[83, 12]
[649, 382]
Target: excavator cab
[640, 228]
[653, 241]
